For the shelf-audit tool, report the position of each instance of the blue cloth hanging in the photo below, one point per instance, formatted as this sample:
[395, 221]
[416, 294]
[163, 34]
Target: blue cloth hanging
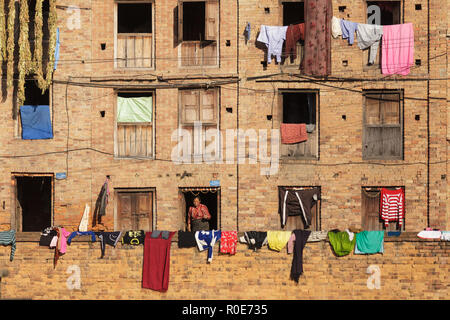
[36, 123]
[56, 49]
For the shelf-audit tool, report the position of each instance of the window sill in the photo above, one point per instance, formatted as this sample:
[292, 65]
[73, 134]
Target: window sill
[133, 158]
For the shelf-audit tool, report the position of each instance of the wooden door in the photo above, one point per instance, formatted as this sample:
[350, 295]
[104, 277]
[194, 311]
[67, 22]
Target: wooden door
[135, 211]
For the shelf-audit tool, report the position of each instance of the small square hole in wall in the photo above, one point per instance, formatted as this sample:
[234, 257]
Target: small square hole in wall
[344, 117]
[103, 46]
[417, 117]
[267, 10]
[418, 6]
[228, 43]
[418, 62]
[102, 113]
[229, 110]
[269, 117]
[342, 8]
[345, 63]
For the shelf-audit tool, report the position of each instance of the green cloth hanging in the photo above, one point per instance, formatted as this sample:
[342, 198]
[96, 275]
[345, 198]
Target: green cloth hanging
[341, 243]
[137, 109]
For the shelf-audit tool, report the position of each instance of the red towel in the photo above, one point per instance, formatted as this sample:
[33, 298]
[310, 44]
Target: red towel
[156, 264]
[293, 133]
[294, 33]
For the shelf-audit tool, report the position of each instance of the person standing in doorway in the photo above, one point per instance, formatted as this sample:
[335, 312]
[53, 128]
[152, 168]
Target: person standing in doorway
[198, 216]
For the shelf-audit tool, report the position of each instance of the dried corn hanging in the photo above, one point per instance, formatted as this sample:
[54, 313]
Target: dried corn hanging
[24, 64]
[10, 43]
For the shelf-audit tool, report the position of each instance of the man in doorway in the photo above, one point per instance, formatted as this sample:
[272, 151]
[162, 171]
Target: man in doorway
[198, 216]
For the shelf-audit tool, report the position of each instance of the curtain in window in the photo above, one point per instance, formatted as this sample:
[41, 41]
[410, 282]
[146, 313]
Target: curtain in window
[138, 109]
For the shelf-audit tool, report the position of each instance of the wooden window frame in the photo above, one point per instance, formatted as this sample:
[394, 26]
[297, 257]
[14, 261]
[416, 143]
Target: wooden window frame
[400, 92]
[365, 216]
[296, 222]
[116, 35]
[317, 129]
[184, 205]
[216, 109]
[197, 45]
[15, 218]
[377, 63]
[152, 124]
[151, 190]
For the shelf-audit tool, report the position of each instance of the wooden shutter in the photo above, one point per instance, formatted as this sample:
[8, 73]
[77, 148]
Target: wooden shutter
[180, 20]
[143, 212]
[190, 106]
[208, 106]
[124, 207]
[211, 19]
[370, 211]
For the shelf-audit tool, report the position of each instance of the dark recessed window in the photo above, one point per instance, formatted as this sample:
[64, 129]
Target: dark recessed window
[134, 17]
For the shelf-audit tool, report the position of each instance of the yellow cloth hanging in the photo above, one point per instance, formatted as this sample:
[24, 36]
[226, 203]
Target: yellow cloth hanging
[277, 240]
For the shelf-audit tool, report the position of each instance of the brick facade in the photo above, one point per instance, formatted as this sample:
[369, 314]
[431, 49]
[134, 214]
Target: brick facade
[249, 200]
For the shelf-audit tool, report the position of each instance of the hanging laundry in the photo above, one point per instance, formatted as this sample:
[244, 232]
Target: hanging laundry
[156, 262]
[296, 243]
[336, 30]
[311, 124]
[316, 236]
[36, 123]
[369, 242]
[273, 37]
[47, 236]
[445, 235]
[186, 239]
[207, 240]
[348, 30]
[164, 234]
[81, 233]
[369, 36]
[394, 233]
[397, 48]
[294, 33]
[108, 238]
[102, 199]
[254, 239]
[57, 48]
[429, 234]
[293, 133]
[83, 226]
[392, 206]
[134, 237]
[341, 243]
[247, 32]
[61, 245]
[317, 57]
[9, 238]
[277, 240]
[293, 202]
[228, 241]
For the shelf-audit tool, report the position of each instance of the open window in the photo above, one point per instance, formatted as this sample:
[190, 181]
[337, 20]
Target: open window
[33, 202]
[370, 210]
[381, 13]
[34, 119]
[134, 34]
[293, 13]
[383, 125]
[297, 221]
[300, 107]
[198, 32]
[134, 209]
[134, 125]
[209, 196]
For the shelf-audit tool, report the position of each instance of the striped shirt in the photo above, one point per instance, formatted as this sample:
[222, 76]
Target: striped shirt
[9, 237]
[392, 206]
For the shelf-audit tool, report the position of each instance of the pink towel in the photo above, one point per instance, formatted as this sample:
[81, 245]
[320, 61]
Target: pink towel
[397, 49]
[293, 133]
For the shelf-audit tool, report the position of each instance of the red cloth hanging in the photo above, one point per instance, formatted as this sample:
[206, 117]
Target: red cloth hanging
[293, 133]
[317, 57]
[156, 264]
[294, 33]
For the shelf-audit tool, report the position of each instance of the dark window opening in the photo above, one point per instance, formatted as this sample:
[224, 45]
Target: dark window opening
[125, 94]
[34, 95]
[209, 198]
[293, 13]
[389, 11]
[134, 17]
[34, 203]
[299, 107]
[194, 21]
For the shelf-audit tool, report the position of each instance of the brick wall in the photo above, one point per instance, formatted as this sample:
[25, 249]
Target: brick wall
[409, 269]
